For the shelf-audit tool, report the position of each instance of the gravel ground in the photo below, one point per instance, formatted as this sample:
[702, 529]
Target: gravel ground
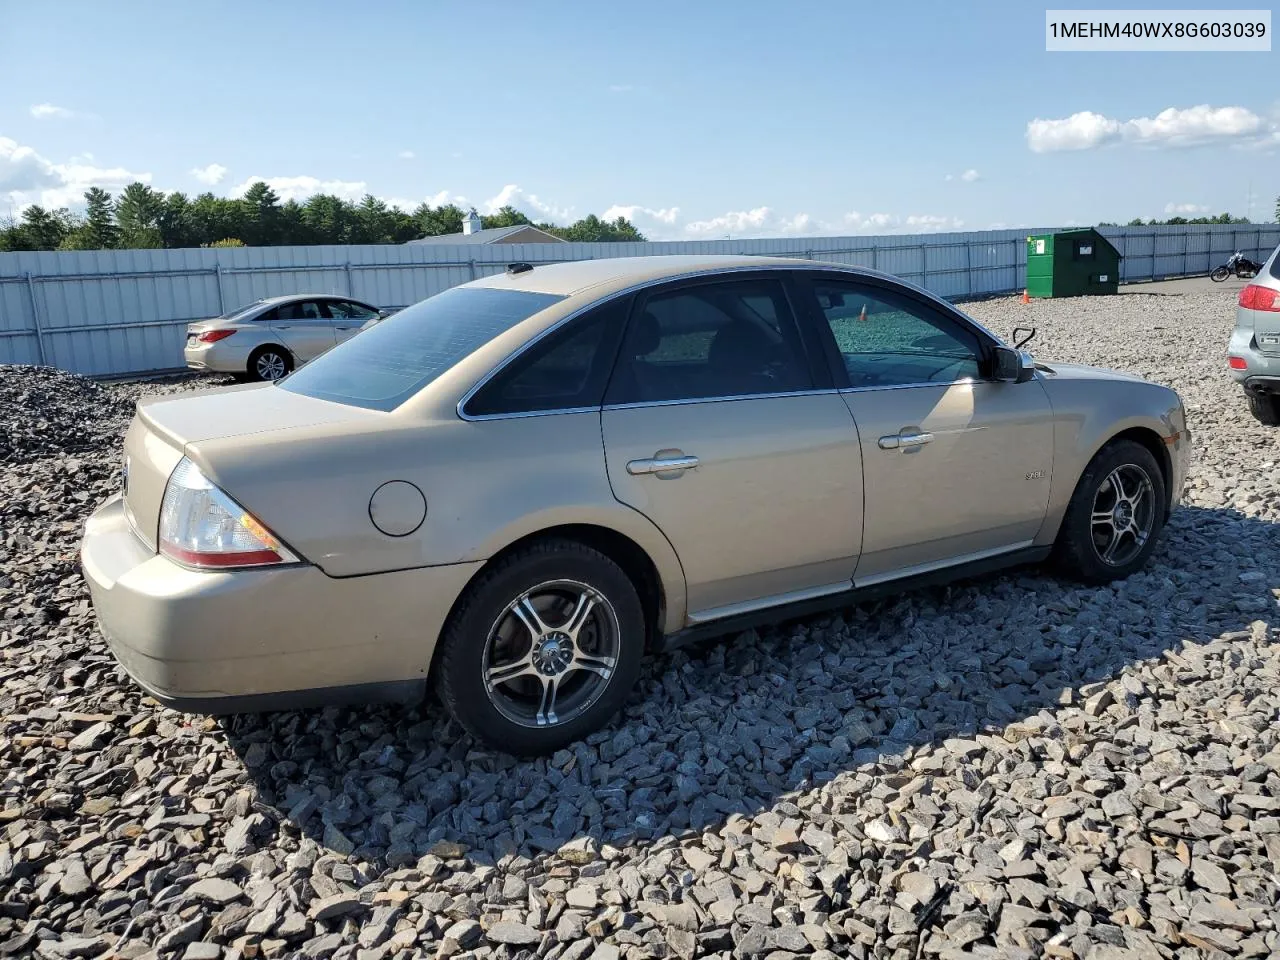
[1016, 767]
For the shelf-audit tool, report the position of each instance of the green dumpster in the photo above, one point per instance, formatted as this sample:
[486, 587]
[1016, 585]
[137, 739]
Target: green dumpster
[1072, 263]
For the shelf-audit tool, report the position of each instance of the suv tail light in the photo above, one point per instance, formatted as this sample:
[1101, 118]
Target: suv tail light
[200, 526]
[1257, 297]
[213, 336]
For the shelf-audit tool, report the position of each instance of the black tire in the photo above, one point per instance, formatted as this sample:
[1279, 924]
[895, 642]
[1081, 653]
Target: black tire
[266, 359]
[1219, 274]
[1083, 541]
[1265, 408]
[486, 611]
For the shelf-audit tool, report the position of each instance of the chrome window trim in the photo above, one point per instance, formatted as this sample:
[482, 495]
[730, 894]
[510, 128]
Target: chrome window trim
[800, 267]
[729, 399]
[911, 386]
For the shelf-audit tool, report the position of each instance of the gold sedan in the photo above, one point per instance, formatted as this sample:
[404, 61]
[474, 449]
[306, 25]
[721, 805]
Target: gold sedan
[518, 487]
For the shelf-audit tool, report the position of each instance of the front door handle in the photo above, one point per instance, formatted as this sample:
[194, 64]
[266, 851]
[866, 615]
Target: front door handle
[661, 465]
[914, 439]
[897, 441]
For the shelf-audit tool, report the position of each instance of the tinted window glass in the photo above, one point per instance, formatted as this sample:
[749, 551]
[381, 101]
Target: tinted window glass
[302, 310]
[240, 312]
[889, 340]
[394, 359]
[346, 310]
[566, 370]
[711, 340]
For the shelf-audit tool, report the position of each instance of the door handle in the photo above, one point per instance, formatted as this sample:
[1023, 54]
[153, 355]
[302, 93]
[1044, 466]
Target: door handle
[914, 439]
[661, 465]
[342, 328]
[895, 441]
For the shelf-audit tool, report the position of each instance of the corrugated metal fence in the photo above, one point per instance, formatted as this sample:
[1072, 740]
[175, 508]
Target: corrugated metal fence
[115, 312]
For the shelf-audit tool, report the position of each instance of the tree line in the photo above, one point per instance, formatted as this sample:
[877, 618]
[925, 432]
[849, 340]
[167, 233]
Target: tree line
[1172, 221]
[142, 217]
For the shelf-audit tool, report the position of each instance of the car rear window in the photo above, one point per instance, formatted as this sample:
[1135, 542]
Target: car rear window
[391, 361]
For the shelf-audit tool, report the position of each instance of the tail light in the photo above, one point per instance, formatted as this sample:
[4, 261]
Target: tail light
[1237, 363]
[1257, 297]
[213, 336]
[200, 526]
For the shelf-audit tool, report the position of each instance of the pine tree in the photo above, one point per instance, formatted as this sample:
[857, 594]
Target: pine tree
[100, 231]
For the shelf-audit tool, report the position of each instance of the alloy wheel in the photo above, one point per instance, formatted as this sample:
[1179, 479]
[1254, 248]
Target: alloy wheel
[1123, 515]
[271, 366]
[551, 653]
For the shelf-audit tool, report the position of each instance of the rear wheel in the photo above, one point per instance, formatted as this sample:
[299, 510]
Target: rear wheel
[1115, 515]
[269, 363]
[543, 649]
[1265, 408]
[1219, 274]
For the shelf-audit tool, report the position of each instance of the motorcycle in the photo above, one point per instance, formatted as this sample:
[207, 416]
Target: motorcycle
[1239, 264]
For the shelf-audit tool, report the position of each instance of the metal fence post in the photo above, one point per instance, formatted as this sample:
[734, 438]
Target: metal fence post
[472, 264]
[222, 296]
[351, 291]
[35, 318]
[1186, 242]
[968, 268]
[924, 265]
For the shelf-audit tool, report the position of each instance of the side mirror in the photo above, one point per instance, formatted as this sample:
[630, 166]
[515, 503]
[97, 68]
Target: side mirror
[1011, 366]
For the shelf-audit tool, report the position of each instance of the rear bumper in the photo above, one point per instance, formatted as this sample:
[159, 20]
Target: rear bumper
[1262, 370]
[250, 640]
[220, 357]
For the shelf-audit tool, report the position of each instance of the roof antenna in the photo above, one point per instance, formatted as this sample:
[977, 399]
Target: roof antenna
[514, 268]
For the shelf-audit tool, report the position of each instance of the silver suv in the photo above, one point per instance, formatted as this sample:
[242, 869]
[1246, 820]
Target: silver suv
[1254, 352]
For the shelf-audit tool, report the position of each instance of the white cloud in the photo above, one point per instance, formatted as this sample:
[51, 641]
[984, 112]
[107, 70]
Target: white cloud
[1170, 127]
[970, 175]
[300, 188]
[1185, 209]
[529, 204]
[26, 177]
[211, 174]
[406, 154]
[1194, 125]
[1080, 131]
[637, 214]
[47, 111]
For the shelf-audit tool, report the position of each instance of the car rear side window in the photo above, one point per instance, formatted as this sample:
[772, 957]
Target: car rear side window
[391, 361]
[566, 370]
[729, 339]
[887, 339]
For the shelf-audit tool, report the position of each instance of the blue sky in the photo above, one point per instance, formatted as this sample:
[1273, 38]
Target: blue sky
[698, 120]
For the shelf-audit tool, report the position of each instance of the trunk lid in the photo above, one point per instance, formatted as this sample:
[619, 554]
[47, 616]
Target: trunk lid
[163, 427]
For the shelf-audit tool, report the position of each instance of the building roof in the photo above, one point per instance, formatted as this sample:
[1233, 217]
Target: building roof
[491, 235]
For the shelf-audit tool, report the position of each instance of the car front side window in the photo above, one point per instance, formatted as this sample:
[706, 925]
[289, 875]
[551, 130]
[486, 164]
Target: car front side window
[887, 339]
[710, 340]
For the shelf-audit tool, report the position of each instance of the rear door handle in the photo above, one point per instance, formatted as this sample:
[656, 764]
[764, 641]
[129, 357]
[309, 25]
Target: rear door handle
[661, 465]
[896, 441]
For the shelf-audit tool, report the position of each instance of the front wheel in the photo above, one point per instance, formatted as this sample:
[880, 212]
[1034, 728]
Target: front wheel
[543, 648]
[1265, 408]
[1115, 515]
[1219, 274]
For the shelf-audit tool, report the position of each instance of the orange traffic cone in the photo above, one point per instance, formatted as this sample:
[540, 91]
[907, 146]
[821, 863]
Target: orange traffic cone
[1026, 297]
[863, 315]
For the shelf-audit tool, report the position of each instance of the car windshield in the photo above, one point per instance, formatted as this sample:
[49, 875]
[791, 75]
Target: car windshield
[394, 359]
